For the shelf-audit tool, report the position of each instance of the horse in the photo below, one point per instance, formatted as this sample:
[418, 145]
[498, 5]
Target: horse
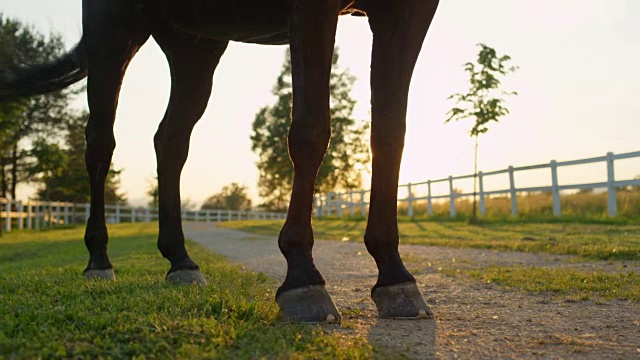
[193, 34]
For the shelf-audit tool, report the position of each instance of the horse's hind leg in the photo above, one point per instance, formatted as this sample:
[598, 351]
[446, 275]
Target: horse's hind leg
[302, 297]
[112, 36]
[192, 62]
[399, 28]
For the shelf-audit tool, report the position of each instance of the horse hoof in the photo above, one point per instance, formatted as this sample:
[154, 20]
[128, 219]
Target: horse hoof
[401, 301]
[103, 274]
[309, 304]
[186, 277]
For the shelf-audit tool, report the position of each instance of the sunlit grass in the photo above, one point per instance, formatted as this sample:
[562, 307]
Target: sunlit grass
[48, 311]
[567, 283]
[591, 241]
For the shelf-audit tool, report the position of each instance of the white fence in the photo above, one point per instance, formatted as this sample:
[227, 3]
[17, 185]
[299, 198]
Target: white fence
[38, 214]
[357, 201]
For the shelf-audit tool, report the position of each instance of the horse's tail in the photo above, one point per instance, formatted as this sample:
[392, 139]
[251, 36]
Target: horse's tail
[33, 80]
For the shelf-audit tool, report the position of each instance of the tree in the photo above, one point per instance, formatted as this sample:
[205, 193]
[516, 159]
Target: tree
[482, 102]
[62, 170]
[347, 154]
[32, 121]
[232, 197]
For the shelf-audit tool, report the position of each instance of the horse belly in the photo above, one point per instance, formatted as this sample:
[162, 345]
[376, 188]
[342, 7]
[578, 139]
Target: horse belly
[257, 21]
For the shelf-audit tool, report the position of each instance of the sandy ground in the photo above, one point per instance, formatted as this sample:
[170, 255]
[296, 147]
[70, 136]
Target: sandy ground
[473, 320]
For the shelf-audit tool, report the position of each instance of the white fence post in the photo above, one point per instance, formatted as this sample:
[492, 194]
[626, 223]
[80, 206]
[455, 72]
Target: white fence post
[117, 213]
[316, 203]
[321, 206]
[87, 209]
[329, 201]
[363, 205]
[429, 201]
[611, 189]
[351, 205]
[29, 216]
[324, 202]
[512, 191]
[339, 204]
[36, 215]
[208, 215]
[50, 213]
[58, 214]
[452, 198]
[7, 214]
[483, 206]
[555, 191]
[66, 213]
[19, 210]
[409, 202]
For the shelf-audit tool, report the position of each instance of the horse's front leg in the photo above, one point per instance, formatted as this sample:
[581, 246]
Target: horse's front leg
[192, 62]
[303, 297]
[399, 28]
[113, 33]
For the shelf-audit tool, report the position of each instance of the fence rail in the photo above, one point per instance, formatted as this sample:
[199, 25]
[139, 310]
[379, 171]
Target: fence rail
[40, 214]
[357, 201]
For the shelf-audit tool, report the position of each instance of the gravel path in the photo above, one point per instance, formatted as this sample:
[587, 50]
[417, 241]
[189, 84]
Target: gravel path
[473, 320]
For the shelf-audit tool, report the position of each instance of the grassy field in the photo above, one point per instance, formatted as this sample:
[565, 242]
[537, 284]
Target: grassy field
[48, 311]
[590, 241]
[568, 284]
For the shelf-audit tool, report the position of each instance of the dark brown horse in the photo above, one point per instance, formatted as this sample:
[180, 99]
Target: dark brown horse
[194, 34]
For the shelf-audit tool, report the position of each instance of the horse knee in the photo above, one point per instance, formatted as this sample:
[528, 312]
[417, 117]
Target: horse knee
[308, 142]
[100, 147]
[172, 148]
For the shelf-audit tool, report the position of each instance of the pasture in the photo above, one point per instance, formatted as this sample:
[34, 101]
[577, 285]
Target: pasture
[47, 310]
[472, 277]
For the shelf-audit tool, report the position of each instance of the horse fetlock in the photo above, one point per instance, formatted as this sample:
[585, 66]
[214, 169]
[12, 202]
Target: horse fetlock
[295, 237]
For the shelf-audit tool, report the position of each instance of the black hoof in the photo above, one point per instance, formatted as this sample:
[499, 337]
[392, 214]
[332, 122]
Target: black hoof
[401, 301]
[309, 304]
[186, 277]
[103, 274]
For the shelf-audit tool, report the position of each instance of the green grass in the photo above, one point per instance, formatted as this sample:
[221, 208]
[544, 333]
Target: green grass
[48, 311]
[590, 241]
[568, 283]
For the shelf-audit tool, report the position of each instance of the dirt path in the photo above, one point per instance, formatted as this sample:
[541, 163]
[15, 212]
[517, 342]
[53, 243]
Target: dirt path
[473, 320]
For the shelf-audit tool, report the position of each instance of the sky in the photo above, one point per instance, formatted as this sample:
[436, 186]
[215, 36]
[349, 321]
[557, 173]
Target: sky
[578, 84]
